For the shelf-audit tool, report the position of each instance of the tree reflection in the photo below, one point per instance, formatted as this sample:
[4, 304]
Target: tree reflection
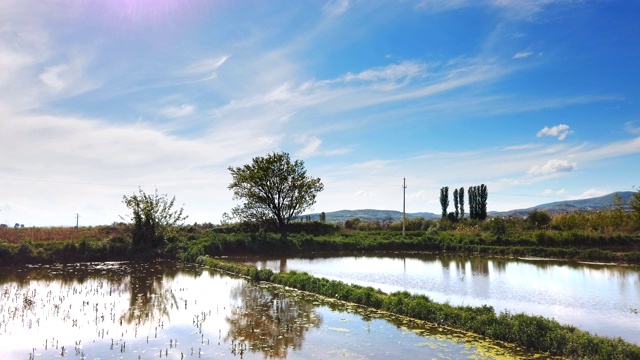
[150, 300]
[268, 322]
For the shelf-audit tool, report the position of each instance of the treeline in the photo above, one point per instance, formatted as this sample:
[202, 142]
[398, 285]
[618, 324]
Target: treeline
[477, 195]
[534, 333]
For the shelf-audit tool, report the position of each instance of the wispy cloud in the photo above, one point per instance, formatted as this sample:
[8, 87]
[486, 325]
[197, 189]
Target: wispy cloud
[391, 74]
[632, 127]
[178, 111]
[520, 147]
[551, 192]
[205, 69]
[336, 7]
[522, 55]
[311, 145]
[560, 131]
[611, 150]
[437, 6]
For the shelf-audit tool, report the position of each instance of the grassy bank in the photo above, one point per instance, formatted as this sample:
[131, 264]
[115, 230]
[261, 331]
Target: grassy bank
[531, 332]
[547, 244]
[21, 246]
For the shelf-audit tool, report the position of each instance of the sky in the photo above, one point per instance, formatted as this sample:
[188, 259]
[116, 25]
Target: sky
[538, 99]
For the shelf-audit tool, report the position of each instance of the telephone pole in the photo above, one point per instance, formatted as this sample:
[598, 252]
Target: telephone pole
[404, 214]
[77, 220]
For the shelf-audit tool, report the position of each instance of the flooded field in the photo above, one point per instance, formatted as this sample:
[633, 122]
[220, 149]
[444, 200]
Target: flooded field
[169, 311]
[602, 299]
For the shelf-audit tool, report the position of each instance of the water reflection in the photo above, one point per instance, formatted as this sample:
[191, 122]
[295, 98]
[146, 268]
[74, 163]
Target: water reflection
[595, 297]
[166, 310]
[268, 321]
[149, 298]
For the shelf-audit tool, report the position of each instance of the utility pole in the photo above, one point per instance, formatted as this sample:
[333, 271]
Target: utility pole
[77, 220]
[404, 214]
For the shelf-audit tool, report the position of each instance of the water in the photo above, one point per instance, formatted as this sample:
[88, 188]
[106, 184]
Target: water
[598, 298]
[165, 310]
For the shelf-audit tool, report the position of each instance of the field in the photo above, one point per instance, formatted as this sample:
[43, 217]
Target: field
[98, 233]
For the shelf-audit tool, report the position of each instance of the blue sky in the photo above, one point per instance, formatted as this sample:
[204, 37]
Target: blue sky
[538, 99]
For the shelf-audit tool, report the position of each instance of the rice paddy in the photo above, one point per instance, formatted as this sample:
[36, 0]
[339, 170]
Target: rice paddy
[166, 310]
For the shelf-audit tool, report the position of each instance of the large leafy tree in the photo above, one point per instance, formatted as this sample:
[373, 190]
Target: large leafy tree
[153, 217]
[273, 188]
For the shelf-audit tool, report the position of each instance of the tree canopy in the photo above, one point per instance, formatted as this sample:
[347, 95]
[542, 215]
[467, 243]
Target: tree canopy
[153, 217]
[273, 188]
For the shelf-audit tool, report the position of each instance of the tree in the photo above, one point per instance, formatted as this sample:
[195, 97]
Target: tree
[273, 188]
[226, 219]
[472, 202]
[483, 194]
[461, 201]
[635, 204]
[444, 200]
[323, 217]
[478, 202]
[153, 217]
[538, 219]
[455, 203]
[352, 223]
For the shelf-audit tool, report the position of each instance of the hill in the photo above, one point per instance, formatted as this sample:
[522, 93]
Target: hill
[590, 204]
[370, 215]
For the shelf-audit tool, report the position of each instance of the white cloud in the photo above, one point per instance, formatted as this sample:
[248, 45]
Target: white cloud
[206, 69]
[560, 131]
[311, 143]
[524, 9]
[436, 6]
[336, 7]
[522, 55]
[551, 192]
[376, 165]
[178, 111]
[611, 150]
[390, 73]
[591, 193]
[519, 147]
[422, 195]
[632, 127]
[552, 167]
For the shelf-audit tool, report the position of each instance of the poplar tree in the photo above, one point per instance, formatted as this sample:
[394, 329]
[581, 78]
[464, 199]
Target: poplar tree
[444, 200]
[455, 203]
[483, 194]
[461, 201]
[472, 202]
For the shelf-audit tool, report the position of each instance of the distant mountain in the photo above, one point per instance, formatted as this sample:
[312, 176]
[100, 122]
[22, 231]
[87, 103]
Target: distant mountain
[591, 204]
[369, 215]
